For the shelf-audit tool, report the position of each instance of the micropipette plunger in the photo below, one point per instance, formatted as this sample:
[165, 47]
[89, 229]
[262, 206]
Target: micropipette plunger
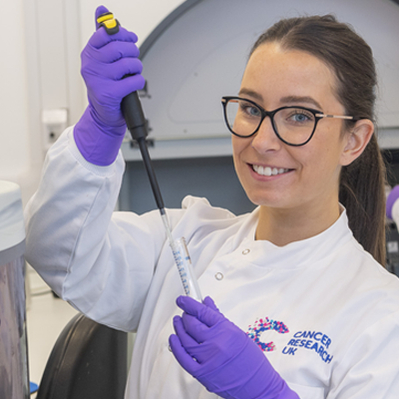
[136, 123]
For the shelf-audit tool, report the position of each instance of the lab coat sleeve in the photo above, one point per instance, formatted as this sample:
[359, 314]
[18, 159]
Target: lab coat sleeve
[100, 261]
[370, 369]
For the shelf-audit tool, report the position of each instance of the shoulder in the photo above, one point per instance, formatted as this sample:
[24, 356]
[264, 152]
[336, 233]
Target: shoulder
[371, 291]
[201, 209]
[199, 218]
[356, 261]
[202, 206]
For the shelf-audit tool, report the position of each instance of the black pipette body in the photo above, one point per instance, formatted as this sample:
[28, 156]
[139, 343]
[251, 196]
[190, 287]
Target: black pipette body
[137, 125]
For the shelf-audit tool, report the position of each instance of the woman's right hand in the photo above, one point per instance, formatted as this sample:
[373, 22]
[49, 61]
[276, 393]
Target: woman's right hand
[111, 70]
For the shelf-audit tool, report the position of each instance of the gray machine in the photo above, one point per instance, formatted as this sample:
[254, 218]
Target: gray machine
[197, 55]
[13, 348]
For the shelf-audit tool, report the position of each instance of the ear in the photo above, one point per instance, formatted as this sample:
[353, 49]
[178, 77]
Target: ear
[356, 141]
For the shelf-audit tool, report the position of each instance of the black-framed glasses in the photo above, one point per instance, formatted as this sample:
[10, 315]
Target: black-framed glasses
[293, 125]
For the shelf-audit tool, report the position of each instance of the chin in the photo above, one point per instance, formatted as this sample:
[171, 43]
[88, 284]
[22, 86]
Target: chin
[265, 200]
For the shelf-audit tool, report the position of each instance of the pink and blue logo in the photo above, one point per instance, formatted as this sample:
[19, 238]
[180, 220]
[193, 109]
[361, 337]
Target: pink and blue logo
[262, 325]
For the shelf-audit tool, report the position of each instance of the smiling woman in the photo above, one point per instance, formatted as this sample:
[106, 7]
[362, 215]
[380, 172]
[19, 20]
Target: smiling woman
[307, 194]
[352, 80]
[303, 310]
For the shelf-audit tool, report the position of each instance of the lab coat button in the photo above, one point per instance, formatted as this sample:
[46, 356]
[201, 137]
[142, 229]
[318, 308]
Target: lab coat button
[219, 276]
[246, 251]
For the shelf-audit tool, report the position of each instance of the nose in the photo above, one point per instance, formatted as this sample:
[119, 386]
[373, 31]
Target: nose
[265, 139]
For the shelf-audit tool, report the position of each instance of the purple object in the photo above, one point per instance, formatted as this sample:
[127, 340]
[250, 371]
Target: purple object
[221, 356]
[111, 70]
[391, 199]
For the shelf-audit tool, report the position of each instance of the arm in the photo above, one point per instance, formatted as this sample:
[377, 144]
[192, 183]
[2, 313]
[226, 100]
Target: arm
[100, 261]
[83, 250]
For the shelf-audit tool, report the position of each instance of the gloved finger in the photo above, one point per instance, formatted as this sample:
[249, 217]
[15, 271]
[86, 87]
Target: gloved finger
[195, 328]
[203, 313]
[100, 37]
[197, 351]
[186, 340]
[200, 351]
[129, 85]
[184, 359]
[208, 301]
[111, 52]
[112, 92]
[122, 68]
[114, 72]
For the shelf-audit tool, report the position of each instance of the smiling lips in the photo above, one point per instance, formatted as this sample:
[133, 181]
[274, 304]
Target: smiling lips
[268, 171]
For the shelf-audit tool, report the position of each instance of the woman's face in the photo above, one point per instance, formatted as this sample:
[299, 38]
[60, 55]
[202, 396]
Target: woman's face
[307, 176]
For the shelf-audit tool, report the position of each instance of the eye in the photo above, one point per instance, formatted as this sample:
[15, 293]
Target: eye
[298, 116]
[250, 109]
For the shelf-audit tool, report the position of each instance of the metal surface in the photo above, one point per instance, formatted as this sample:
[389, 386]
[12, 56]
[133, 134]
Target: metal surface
[198, 54]
[13, 348]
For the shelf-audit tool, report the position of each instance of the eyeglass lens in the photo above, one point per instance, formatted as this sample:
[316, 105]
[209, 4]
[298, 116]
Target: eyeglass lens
[293, 125]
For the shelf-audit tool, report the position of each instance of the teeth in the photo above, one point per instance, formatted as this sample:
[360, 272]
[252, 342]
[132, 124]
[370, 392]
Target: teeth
[267, 171]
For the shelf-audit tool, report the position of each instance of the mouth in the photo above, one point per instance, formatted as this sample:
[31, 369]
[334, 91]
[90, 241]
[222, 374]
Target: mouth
[269, 171]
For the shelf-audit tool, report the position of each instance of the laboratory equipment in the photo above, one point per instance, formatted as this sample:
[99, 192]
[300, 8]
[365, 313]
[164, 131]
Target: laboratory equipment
[186, 272]
[14, 381]
[189, 65]
[137, 125]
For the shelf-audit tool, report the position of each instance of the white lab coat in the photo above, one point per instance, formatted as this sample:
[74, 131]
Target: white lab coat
[324, 309]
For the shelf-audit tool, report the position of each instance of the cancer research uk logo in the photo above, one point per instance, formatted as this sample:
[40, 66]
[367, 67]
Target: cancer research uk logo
[314, 341]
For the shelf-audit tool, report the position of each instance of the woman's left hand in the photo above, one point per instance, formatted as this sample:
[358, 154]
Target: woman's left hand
[221, 356]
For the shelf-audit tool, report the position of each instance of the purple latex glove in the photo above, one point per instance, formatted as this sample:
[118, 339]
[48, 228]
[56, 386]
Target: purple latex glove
[391, 199]
[106, 59]
[221, 356]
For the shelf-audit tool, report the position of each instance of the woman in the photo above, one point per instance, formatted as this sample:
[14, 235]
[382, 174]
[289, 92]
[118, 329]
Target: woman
[315, 315]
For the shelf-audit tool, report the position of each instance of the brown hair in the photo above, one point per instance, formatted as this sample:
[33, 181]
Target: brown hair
[349, 56]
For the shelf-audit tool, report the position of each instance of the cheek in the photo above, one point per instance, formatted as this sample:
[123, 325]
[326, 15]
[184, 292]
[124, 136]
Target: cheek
[235, 142]
[321, 164]
[238, 145]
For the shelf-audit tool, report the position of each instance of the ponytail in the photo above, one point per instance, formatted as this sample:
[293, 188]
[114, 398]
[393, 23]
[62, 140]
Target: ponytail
[362, 193]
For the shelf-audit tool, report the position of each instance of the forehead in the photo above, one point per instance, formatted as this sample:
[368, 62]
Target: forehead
[274, 73]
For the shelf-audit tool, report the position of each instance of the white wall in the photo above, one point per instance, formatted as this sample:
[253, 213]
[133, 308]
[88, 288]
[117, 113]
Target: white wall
[56, 31]
[15, 159]
[22, 78]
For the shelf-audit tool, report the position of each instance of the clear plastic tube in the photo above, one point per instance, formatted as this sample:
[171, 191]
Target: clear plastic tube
[184, 266]
[183, 262]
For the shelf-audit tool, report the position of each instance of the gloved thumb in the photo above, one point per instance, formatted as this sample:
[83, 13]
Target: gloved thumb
[99, 11]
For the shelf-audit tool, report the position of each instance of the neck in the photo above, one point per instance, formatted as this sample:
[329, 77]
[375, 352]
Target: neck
[283, 226]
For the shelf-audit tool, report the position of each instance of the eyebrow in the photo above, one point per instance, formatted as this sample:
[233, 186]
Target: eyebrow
[283, 100]
[300, 99]
[251, 93]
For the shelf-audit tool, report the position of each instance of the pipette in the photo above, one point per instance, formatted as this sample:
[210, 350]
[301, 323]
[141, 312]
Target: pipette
[136, 123]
